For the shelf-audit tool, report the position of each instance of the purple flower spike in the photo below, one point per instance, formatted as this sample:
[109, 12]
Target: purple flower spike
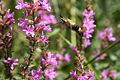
[106, 35]
[87, 75]
[107, 73]
[88, 24]
[12, 62]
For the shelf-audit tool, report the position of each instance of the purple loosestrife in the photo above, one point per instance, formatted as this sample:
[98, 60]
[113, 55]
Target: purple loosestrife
[41, 20]
[6, 39]
[49, 59]
[36, 74]
[50, 73]
[48, 65]
[35, 23]
[67, 57]
[118, 25]
[11, 62]
[6, 31]
[107, 73]
[96, 52]
[88, 24]
[86, 75]
[106, 35]
[81, 73]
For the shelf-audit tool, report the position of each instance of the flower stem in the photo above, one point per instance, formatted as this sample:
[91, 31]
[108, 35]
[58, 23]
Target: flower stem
[102, 52]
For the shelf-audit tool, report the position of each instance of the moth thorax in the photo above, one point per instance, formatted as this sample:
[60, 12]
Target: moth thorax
[75, 27]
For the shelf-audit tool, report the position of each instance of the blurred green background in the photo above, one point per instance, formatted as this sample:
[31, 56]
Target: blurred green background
[107, 15]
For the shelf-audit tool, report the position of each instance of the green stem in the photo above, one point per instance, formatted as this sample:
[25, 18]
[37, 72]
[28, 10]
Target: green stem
[67, 77]
[73, 15]
[102, 52]
[67, 41]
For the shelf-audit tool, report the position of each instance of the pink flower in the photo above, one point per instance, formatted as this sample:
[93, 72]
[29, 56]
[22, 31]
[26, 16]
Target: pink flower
[45, 38]
[88, 14]
[23, 22]
[67, 57]
[51, 59]
[73, 48]
[73, 74]
[87, 75]
[47, 19]
[50, 73]
[118, 25]
[106, 34]
[58, 56]
[45, 5]
[10, 17]
[96, 52]
[29, 30]
[36, 74]
[82, 77]
[21, 4]
[112, 74]
[12, 62]
[47, 28]
[88, 24]
[87, 42]
[107, 73]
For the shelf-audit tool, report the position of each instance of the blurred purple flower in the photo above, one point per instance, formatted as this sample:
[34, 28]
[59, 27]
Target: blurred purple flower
[96, 52]
[50, 73]
[47, 19]
[82, 77]
[73, 48]
[47, 28]
[73, 74]
[87, 42]
[106, 34]
[87, 75]
[58, 56]
[118, 25]
[112, 74]
[67, 57]
[107, 73]
[11, 62]
[36, 74]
